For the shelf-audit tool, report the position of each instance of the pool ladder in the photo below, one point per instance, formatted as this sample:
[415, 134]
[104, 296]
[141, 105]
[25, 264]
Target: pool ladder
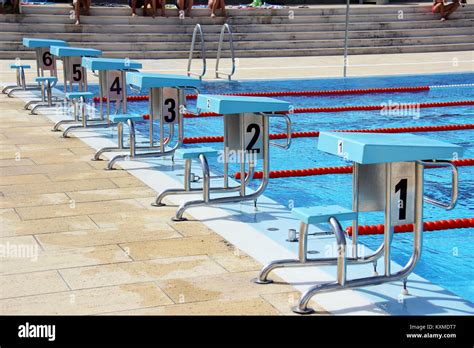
[232, 53]
[198, 30]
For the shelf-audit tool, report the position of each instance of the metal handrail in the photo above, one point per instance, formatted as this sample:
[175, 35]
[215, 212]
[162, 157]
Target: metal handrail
[197, 29]
[232, 54]
[454, 184]
[288, 131]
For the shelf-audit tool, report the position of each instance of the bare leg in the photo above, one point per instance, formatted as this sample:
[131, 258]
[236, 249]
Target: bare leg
[153, 8]
[163, 6]
[145, 7]
[16, 6]
[213, 7]
[134, 8]
[77, 11]
[87, 7]
[188, 9]
[222, 6]
[450, 8]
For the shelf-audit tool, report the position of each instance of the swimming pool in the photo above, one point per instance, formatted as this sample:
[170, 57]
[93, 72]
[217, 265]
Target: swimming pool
[447, 255]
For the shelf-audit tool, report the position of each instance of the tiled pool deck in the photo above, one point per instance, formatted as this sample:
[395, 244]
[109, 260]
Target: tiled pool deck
[76, 239]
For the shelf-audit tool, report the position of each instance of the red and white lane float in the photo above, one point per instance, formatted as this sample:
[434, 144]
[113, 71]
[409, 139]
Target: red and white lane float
[437, 225]
[406, 89]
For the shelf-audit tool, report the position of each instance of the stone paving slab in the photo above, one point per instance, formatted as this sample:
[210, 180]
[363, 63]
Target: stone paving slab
[78, 239]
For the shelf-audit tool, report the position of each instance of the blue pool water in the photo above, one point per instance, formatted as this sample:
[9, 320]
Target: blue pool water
[447, 255]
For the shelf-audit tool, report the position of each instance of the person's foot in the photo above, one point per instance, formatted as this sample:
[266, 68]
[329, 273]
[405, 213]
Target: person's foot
[77, 22]
[443, 19]
[213, 15]
[134, 14]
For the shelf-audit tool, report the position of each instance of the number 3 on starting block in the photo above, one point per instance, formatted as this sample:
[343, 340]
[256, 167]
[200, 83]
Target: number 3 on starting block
[115, 85]
[170, 107]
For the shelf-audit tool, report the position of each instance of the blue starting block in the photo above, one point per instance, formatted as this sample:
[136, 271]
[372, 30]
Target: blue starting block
[112, 86]
[194, 152]
[73, 72]
[125, 117]
[79, 95]
[94, 64]
[46, 83]
[388, 177]
[149, 80]
[112, 80]
[369, 148]
[42, 43]
[45, 61]
[20, 79]
[234, 104]
[246, 138]
[167, 104]
[321, 214]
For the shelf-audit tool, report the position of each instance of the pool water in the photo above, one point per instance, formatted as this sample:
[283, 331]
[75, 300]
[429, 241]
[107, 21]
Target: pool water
[448, 255]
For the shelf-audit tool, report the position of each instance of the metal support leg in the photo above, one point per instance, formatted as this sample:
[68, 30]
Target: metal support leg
[74, 120]
[341, 264]
[302, 258]
[205, 184]
[375, 268]
[285, 263]
[47, 99]
[112, 148]
[405, 290]
[82, 106]
[302, 306]
[131, 128]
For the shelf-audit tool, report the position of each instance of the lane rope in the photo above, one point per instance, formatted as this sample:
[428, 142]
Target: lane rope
[345, 108]
[287, 173]
[395, 106]
[316, 92]
[437, 225]
[315, 134]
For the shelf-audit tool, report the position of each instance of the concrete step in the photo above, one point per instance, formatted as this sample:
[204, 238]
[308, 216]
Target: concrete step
[259, 45]
[242, 20]
[74, 38]
[269, 52]
[63, 9]
[318, 30]
[52, 29]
